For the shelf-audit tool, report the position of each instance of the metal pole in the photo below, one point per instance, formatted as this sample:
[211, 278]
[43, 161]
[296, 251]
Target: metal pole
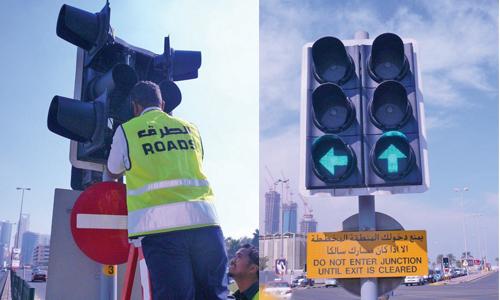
[20, 214]
[282, 212]
[108, 283]
[462, 190]
[367, 222]
[19, 222]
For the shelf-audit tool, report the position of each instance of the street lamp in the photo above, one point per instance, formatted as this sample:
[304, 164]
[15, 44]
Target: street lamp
[462, 190]
[20, 212]
[477, 221]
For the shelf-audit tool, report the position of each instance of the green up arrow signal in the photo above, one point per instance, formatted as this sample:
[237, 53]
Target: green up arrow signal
[330, 160]
[392, 154]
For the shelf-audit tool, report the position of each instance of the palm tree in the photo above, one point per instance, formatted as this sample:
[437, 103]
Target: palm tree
[255, 239]
[439, 259]
[263, 263]
[451, 258]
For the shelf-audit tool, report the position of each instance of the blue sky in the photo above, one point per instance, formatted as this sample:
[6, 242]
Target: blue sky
[458, 44]
[222, 102]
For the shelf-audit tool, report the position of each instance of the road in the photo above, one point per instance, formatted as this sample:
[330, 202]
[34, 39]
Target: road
[38, 285]
[3, 278]
[485, 288]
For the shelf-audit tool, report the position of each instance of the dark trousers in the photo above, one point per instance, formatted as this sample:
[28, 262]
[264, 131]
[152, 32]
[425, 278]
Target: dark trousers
[187, 264]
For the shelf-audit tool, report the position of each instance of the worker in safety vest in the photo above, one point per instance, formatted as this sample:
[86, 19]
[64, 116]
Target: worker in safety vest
[244, 269]
[169, 200]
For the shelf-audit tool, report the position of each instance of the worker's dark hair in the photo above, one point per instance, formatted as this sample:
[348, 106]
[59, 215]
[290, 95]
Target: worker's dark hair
[253, 254]
[146, 93]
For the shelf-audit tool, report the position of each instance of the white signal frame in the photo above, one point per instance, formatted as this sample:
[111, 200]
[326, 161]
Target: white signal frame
[304, 152]
[73, 146]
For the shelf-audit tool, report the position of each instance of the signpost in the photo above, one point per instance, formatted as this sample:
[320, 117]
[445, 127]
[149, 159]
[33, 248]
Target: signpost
[367, 254]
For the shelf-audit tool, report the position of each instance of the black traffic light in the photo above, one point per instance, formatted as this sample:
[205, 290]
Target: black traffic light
[334, 121]
[361, 117]
[392, 137]
[107, 69]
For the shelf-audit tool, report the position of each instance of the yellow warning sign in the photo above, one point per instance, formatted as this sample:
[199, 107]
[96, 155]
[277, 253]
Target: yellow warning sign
[109, 270]
[364, 254]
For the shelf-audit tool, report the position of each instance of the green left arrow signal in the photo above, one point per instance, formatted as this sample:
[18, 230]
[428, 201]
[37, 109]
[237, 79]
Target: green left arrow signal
[330, 161]
[392, 154]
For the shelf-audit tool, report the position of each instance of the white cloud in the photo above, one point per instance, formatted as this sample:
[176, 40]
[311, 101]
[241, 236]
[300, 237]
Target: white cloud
[457, 42]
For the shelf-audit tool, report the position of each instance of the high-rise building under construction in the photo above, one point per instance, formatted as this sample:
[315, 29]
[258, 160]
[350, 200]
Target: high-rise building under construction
[290, 217]
[272, 212]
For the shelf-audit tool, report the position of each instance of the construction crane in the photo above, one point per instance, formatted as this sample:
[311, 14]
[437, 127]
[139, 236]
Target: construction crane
[275, 183]
[308, 211]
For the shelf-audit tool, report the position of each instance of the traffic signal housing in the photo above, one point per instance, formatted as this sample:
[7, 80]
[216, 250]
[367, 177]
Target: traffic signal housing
[362, 119]
[334, 119]
[107, 69]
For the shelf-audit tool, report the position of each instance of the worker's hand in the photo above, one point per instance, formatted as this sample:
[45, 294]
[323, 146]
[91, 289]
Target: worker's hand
[108, 176]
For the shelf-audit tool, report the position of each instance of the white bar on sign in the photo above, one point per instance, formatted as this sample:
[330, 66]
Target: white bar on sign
[93, 221]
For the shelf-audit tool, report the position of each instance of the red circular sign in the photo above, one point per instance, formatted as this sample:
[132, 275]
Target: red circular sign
[99, 223]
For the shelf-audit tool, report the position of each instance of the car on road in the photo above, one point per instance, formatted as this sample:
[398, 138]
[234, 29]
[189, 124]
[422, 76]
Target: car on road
[331, 282]
[414, 280]
[38, 274]
[278, 289]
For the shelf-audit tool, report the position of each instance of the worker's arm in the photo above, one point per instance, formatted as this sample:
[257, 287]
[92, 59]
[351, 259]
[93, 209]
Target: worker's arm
[118, 155]
[111, 174]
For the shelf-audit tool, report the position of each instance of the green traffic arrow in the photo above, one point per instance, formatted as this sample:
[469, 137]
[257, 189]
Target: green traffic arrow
[392, 154]
[330, 160]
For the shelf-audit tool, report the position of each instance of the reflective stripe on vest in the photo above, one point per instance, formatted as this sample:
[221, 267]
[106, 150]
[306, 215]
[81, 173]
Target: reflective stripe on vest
[173, 215]
[167, 184]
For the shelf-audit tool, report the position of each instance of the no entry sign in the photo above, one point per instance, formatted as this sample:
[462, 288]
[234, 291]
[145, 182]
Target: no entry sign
[99, 223]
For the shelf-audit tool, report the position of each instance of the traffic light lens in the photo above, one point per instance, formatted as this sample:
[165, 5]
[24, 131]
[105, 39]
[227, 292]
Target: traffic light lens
[331, 61]
[333, 159]
[392, 157]
[387, 60]
[333, 111]
[72, 119]
[390, 108]
[171, 94]
[79, 27]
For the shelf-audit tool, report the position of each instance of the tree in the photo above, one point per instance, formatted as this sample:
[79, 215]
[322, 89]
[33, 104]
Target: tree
[451, 258]
[232, 245]
[263, 263]
[469, 255]
[439, 259]
[255, 239]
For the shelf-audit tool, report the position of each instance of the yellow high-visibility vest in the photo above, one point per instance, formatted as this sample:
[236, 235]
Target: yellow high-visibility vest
[166, 187]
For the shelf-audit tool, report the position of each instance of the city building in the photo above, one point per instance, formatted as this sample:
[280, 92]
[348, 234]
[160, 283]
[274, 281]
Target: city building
[5, 237]
[29, 241]
[22, 227]
[272, 212]
[292, 248]
[290, 217]
[41, 255]
[308, 224]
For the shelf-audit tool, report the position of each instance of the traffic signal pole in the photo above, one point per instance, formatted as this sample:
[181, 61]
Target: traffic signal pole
[108, 282]
[367, 220]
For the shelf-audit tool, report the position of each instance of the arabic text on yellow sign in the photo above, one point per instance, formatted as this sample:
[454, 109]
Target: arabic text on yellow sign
[365, 254]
